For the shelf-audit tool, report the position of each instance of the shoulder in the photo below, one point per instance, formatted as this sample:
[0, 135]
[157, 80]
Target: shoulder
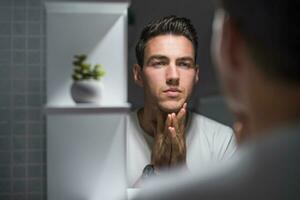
[132, 116]
[210, 126]
[220, 137]
[132, 121]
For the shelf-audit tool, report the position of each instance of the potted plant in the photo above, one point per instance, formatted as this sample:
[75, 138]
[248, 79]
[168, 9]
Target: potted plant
[86, 87]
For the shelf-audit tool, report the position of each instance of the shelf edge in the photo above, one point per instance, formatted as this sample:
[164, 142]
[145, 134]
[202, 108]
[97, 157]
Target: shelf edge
[86, 109]
[87, 7]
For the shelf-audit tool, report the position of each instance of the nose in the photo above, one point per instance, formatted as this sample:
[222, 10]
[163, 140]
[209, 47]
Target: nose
[172, 75]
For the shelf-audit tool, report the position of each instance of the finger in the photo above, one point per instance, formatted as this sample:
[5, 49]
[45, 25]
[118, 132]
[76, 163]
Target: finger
[175, 122]
[168, 151]
[177, 143]
[177, 153]
[174, 145]
[240, 132]
[172, 133]
[181, 112]
[161, 152]
[168, 121]
[181, 120]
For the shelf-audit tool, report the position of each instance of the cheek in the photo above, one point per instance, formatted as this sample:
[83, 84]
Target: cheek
[189, 83]
[153, 82]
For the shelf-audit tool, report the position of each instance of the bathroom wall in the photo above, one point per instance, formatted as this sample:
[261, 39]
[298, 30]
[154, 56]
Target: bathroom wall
[22, 94]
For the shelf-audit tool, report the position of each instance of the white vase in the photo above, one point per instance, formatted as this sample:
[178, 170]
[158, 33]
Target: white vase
[87, 91]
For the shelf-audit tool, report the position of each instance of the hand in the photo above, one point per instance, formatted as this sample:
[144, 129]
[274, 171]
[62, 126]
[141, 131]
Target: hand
[169, 147]
[241, 129]
[176, 130]
[161, 150]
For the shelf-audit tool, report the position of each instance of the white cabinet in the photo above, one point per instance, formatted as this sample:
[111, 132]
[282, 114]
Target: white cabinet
[86, 143]
[86, 156]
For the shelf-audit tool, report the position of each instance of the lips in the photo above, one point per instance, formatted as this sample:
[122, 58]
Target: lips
[172, 92]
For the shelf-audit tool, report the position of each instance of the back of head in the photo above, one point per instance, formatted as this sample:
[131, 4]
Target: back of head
[271, 30]
[167, 25]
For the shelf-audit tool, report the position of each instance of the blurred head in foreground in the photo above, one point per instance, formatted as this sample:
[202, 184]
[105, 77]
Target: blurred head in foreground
[256, 50]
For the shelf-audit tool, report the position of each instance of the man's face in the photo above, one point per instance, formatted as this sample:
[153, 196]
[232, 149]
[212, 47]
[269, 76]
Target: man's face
[169, 72]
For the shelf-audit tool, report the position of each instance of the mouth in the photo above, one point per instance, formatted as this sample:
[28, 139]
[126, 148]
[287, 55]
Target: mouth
[172, 92]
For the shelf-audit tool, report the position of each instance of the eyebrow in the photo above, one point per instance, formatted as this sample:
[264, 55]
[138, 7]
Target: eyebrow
[185, 59]
[162, 57]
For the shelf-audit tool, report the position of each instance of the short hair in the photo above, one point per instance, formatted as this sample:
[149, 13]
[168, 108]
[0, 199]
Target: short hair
[271, 31]
[167, 25]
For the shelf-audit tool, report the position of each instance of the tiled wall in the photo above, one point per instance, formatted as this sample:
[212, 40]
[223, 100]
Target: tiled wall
[22, 95]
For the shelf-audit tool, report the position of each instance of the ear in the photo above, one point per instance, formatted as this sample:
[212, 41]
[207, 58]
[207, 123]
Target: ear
[232, 46]
[137, 75]
[197, 74]
[235, 64]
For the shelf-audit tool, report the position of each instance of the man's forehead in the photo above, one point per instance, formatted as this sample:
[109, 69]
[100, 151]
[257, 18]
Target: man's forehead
[168, 39]
[169, 46]
[165, 57]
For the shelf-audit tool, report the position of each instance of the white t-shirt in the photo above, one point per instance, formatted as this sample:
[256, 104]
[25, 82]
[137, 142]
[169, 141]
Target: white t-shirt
[265, 168]
[206, 140]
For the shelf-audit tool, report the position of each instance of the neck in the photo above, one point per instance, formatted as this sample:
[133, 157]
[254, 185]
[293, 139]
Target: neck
[148, 119]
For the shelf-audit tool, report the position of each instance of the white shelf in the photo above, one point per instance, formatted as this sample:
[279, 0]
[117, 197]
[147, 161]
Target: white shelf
[86, 109]
[132, 192]
[87, 7]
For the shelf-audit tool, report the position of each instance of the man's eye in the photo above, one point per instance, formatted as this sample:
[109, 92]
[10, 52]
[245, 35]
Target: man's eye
[158, 64]
[185, 65]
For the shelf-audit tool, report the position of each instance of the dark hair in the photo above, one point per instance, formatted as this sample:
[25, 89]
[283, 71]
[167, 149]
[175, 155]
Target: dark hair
[271, 31]
[166, 25]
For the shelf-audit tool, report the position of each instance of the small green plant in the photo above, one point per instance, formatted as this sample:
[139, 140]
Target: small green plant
[84, 70]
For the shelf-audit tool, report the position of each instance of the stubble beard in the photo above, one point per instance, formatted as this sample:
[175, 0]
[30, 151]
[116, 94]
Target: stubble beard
[170, 106]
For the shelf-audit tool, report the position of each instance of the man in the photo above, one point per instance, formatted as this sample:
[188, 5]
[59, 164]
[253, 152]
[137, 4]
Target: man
[256, 48]
[164, 134]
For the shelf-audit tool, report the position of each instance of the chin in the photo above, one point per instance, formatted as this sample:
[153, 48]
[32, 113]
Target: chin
[170, 106]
